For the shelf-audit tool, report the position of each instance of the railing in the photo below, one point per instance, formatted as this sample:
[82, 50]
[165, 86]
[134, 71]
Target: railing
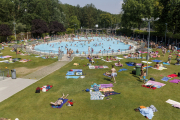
[4, 73]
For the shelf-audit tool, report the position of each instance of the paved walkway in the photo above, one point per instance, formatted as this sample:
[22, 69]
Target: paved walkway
[9, 87]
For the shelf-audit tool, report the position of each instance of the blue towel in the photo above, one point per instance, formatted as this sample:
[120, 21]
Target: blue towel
[43, 57]
[147, 112]
[148, 67]
[165, 79]
[156, 60]
[166, 63]
[122, 70]
[129, 64]
[70, 73]
[106, 75]
[75, 77]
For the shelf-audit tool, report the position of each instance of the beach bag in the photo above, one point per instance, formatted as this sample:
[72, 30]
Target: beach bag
[152, 79]
[37, 90]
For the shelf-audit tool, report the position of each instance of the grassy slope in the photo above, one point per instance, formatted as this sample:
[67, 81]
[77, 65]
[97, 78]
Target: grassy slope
[26, 105]
[35, 62]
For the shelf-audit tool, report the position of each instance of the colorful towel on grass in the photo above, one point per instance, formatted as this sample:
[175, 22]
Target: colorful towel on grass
[165, 79]
[70, 73]
[119, 58]
[105, 60]
[75, 77]
[106, 89]
[95, 85]
[106, 85]
[106, 75]
[146, 67]
[160, 68]
[155, 83]
[172, 102]
[172, 75]
[122, 70]
[174, 81]
[166, 63]
[97, 67]
[110, 93]
[147, 112]
[47, 87]
[146, 62]
[116, 64]
[76, 70]
[129, 64]
[157, 60]
[96, 96]
[60, 106]
[149, 87]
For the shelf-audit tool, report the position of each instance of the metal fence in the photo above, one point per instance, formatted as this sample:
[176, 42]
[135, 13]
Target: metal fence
[4, 73]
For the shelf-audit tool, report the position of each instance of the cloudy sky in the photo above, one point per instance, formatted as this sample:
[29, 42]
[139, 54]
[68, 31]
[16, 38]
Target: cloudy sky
[112, 6]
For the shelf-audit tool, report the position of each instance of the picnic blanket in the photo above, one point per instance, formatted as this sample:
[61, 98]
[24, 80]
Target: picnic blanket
[146, 62]
[147, 112]
[116, 64]
[110, 93]
[157, 60]
[70, 73]
[75, 77]
[122, 70]
[172, 75]
[105, 89]
[165, 79]
[96, 95]
[105, 85]
[60, 106]
[166, 63]
[174, 81]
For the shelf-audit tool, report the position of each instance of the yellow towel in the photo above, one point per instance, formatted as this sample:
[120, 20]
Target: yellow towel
[76, 64]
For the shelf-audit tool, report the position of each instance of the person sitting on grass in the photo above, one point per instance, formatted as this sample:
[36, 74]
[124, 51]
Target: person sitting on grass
[112, 74]
[107, 59]
[157, 65]
[89, 57]
[59, 101]
[119, 63]
[177, 61]
[91, 60]
[10, 59]
[112, 58]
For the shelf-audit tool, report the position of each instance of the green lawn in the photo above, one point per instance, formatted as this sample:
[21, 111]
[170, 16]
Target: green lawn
[30, 66]
[28, 105]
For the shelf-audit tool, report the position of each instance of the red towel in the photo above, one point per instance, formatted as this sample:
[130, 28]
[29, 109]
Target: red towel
[173, 75]
[149, 87]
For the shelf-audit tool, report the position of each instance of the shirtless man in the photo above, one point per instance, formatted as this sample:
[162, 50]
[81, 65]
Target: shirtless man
[107, 59]
[113, 73]
[59, 101]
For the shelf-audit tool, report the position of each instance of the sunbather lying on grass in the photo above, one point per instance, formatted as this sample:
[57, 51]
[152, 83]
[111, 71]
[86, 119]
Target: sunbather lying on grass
[59, 101]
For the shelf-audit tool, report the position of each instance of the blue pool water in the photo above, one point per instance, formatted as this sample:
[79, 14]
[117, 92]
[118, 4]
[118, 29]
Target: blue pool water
[98, 44]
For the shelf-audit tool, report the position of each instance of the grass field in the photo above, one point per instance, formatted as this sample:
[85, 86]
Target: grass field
[28, 105]
[24, 68]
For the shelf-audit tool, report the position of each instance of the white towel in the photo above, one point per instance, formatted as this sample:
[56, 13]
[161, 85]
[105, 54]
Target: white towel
[172, 102]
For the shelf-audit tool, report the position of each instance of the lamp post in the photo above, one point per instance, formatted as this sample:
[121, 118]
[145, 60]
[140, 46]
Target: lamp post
[148, 20]
[14, 29]
[165, 33]
[75, 29]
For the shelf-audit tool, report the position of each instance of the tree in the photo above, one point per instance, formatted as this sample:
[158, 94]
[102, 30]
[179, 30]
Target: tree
[39, 27]
[5, 30]
[105, 20]
[74, 22]
[20, 28]
[55, 27]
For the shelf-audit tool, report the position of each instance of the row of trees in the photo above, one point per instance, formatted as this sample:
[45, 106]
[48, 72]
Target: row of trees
[167, 10]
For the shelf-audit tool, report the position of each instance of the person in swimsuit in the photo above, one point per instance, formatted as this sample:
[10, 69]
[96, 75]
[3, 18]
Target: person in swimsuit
[157, 65]
[169, 58]
[107, 59]
[59, 101]
[112, 58]
[142, 72]
[119, 63]
[113, 73]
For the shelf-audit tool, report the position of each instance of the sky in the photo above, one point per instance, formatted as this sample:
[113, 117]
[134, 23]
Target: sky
[111, 6]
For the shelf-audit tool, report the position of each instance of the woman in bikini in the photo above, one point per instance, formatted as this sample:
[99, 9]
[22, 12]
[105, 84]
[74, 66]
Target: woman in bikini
[119, 64]
[169, 58]
[59, 101]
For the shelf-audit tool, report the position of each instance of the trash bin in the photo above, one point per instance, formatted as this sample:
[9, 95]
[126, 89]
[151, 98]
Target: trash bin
[13, 74]
[138, 70]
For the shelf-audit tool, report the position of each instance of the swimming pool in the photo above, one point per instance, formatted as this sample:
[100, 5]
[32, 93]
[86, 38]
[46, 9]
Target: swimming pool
[97, 44]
